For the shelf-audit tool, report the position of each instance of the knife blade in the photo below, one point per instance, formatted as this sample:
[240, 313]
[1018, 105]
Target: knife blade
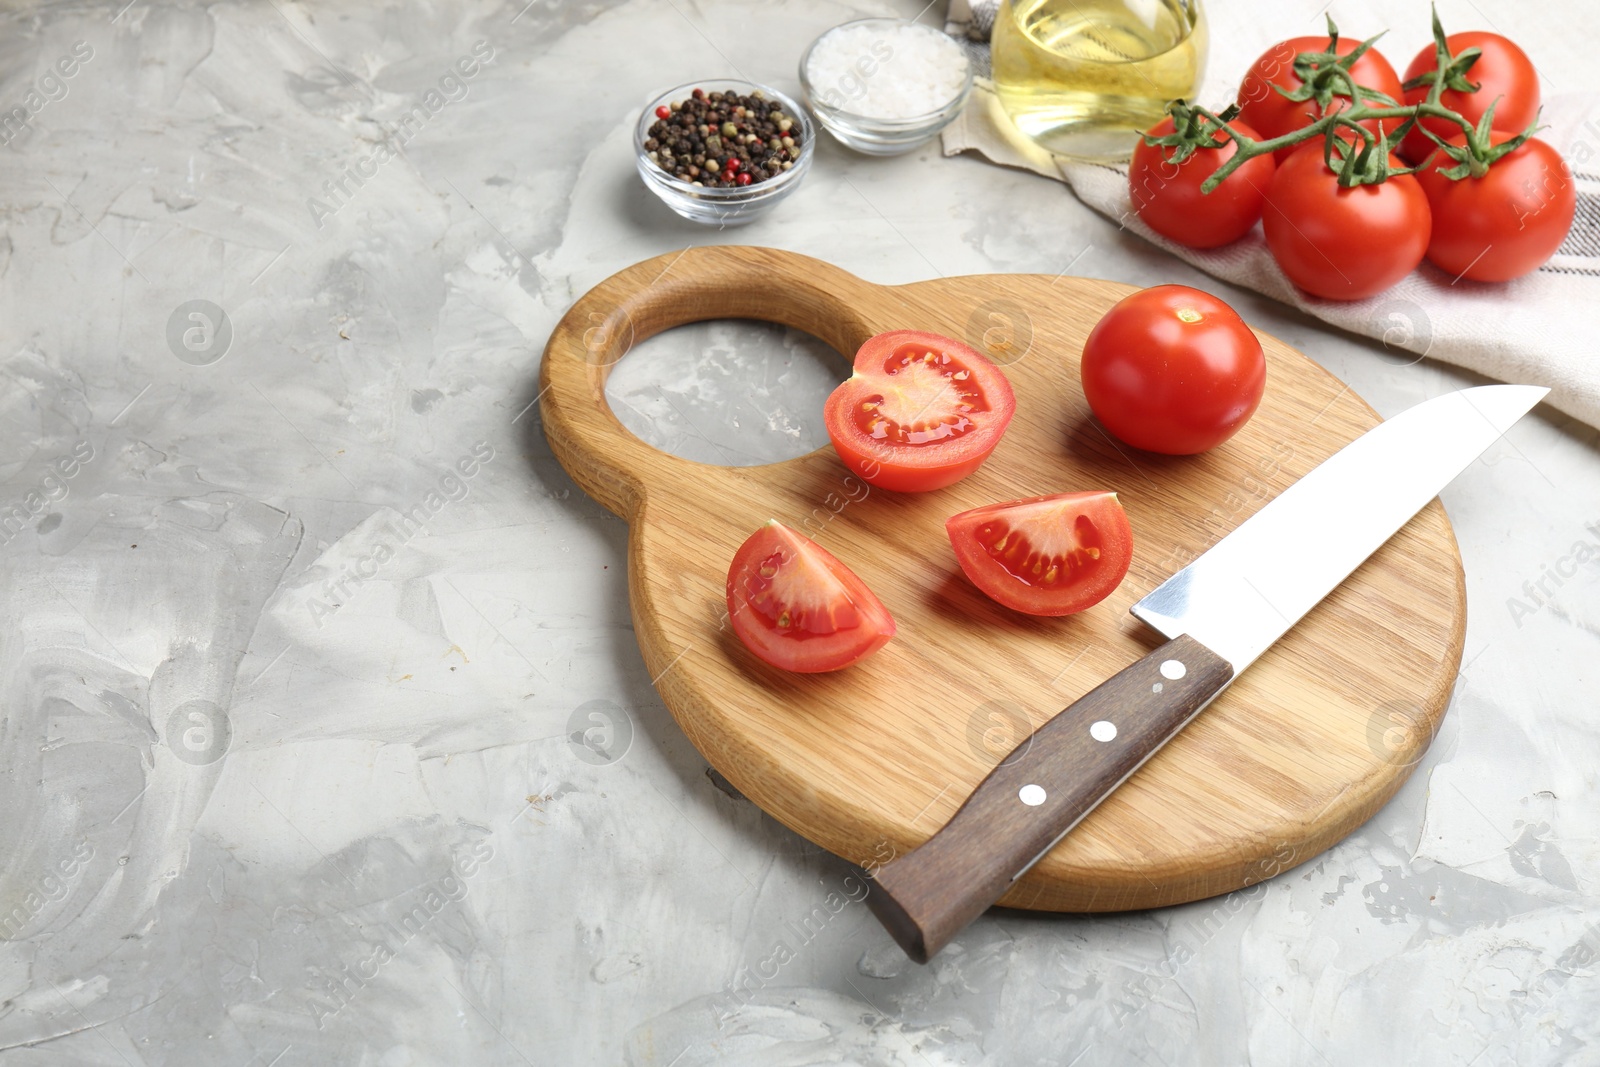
[1220, 613]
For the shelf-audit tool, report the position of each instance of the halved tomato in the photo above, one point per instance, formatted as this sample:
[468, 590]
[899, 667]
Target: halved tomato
[920, 412]
[1046, 555]
[797, 607]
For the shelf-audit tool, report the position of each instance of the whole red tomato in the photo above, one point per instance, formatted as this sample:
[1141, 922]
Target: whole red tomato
[1172, 369]
[1269, 111]
[1503, 72]
[1344, 244]
[1167, 195]
[1506, 223]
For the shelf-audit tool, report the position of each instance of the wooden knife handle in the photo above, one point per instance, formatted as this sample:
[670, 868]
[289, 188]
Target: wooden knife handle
[1039, 792]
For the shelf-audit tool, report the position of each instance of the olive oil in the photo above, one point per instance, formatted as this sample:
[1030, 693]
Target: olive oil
[1084, 77]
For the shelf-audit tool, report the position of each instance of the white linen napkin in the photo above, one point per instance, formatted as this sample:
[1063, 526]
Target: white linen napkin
[1539, 329]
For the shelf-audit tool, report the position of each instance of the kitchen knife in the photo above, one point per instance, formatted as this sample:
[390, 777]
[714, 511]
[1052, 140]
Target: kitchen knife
[1219, 613]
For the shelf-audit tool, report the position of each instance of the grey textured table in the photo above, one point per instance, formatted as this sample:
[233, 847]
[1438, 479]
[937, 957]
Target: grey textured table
[298, 616]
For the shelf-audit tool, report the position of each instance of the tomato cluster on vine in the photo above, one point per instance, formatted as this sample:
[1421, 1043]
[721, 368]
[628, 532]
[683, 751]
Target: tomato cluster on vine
[1356, 175]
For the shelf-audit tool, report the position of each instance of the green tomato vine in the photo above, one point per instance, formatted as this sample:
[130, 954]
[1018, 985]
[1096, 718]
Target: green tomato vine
[1352, 151]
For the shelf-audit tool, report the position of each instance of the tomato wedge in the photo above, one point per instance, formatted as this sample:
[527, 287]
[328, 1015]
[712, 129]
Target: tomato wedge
[797, 607]
[920, 412]
[1045, 555]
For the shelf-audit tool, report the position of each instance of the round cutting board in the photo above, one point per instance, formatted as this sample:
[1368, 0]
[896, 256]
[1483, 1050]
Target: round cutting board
[869, 761]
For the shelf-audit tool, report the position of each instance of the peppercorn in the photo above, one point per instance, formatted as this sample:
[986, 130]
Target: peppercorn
[722, 139]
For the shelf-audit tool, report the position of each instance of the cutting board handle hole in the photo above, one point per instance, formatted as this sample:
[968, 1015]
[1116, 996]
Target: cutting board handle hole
[727, 392]
[613, 460]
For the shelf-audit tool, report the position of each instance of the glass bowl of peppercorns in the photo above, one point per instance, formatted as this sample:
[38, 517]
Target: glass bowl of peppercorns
[723, 152]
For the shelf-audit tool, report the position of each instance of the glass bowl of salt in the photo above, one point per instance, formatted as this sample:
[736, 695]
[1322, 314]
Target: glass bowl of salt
[885, 86]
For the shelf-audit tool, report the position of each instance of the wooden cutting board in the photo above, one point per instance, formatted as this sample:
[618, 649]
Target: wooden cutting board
[869, 761]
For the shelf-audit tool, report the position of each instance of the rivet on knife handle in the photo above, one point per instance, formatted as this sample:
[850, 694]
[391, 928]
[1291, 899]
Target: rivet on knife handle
[1039, 793]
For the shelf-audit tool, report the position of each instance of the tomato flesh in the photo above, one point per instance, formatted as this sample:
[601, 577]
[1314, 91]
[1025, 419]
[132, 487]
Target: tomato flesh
[1503, 73]
[1167, 195]
[797, 607]
[1172, 369]
[920, 411]
[926, 397]
[1045, 555]
[1506, 223]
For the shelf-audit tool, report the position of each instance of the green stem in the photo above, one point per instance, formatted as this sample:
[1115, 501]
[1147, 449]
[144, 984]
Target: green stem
[1335, 79]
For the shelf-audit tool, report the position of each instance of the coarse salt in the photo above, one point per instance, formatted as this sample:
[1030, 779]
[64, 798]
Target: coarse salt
[886, 70]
